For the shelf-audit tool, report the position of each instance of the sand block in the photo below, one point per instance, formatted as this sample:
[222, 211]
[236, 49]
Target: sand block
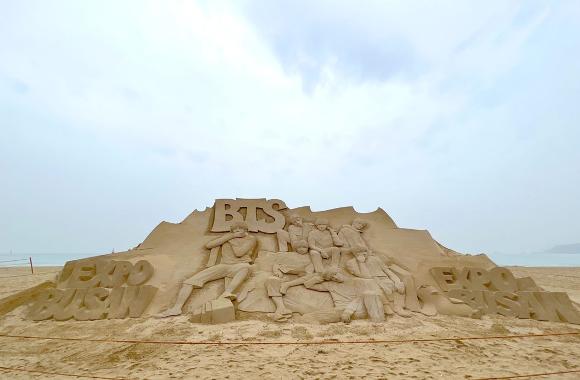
[220, 310]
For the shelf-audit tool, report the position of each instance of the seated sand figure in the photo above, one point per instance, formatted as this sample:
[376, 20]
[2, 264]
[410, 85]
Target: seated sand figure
[296, 236]
[352, 237]
[351, 234]
[324, 243]
[371, 267]
[274, 287]
[237, 248]
[351, 296]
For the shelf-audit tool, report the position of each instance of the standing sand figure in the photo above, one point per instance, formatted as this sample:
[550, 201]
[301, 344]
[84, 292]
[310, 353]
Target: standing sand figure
[371, 267]
[352, 236]
[324, 243]
[296, 236]
[236, 251]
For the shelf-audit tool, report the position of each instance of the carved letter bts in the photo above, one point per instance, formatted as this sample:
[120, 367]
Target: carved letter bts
[257, 211]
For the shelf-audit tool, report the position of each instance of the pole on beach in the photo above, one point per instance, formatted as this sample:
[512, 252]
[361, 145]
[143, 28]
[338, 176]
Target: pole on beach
[31, 267]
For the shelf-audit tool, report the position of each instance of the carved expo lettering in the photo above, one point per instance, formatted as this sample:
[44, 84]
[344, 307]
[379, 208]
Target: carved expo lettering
[93, 289]
[497, 291]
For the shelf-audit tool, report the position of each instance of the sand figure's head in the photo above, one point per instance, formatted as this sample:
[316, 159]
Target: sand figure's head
[321, 224]
[239, 229]
[332, 274]
[359, 224]
[296, 220]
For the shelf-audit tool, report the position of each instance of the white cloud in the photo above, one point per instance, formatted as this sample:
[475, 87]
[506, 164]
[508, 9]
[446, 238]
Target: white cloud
[420, 108]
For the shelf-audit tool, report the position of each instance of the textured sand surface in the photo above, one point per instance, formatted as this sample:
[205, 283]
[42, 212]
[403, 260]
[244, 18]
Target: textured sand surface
[469, 359]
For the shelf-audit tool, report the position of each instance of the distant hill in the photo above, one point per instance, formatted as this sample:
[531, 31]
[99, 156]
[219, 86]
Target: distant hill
[564, 248]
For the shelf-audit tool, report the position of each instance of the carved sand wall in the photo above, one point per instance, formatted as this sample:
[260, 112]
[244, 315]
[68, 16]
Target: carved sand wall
[257, 256]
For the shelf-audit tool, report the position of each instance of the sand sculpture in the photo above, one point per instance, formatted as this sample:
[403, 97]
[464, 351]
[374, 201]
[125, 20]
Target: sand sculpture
[245, 257]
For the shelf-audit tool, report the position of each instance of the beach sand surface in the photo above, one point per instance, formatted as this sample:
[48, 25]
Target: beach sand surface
[447, 359]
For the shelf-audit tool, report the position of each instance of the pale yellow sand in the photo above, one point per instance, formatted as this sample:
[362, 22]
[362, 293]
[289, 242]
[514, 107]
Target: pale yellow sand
[440, 360]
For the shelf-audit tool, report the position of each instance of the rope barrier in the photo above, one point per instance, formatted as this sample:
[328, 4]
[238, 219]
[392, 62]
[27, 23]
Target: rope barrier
[60, 373]
[529, 375]
[320, 342]
[291, 343]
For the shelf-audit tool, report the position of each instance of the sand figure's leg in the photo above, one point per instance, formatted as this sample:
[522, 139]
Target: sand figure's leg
[236, 281]
[283, 240]
[316, 259]
[399, 303]
[335, 257]
[350, 309]
[182, 297]
[411, 299]
[288, 284]
[374, 306]
[273, 286]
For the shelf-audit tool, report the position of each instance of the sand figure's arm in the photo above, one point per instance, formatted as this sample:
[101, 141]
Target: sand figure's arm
[219, 241]
[343, 239]
[393, 277]
[246, 247]
[312, 243]
[304, 280]
[336, 240]
[353, 268]
[320, 287]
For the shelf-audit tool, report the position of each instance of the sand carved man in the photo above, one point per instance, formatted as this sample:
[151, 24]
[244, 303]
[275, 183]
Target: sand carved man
[276, 290]
[237, 248]
[324, 243]
[296, 235]
[351, 296]
[372, 267]
[352, 236]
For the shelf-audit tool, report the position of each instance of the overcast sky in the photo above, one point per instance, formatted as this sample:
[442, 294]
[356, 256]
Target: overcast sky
[460, 117]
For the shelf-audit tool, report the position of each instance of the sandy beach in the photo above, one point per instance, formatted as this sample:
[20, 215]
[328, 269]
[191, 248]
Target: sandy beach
[449, 359]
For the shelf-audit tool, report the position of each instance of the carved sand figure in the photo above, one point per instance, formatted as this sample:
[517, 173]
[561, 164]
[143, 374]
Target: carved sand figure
[353, 297]
[352, 234]
[324, 243]
[301, 271]
[237, 248]
[434, 302]
[371, 267]
[312, 278]
[352, 237]
[296, 236]
[274, 288]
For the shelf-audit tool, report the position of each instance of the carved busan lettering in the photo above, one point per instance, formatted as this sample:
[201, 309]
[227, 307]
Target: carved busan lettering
[497, 291]
[94, 290]
[229, 211]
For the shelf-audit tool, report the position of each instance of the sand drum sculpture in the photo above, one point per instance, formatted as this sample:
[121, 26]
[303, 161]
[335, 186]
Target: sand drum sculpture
[246, 257]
